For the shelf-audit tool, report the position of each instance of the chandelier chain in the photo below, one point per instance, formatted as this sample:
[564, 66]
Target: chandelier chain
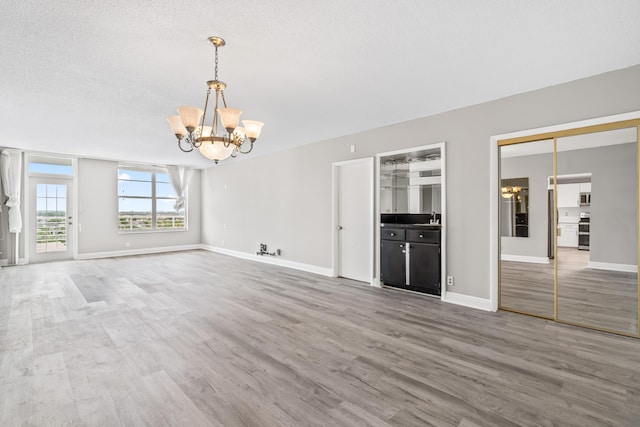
[216, 74]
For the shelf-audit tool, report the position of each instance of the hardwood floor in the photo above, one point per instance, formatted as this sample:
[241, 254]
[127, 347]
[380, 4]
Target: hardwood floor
[197, 338]
[599, 298]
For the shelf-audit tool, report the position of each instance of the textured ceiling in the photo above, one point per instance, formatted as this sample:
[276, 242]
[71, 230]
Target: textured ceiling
[97, 78]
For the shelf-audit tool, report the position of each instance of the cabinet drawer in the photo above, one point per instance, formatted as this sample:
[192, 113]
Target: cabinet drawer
[392, 233]
[424, 236]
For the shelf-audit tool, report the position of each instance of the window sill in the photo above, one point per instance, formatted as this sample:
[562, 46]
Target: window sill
[180, 230]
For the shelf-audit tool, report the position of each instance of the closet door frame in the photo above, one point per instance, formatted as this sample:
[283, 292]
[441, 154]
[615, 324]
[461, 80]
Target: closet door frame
[600, 124]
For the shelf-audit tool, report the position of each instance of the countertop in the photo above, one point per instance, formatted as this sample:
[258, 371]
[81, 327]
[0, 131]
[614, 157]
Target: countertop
[391, 225]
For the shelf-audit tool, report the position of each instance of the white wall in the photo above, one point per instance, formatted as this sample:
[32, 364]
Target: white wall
[98, 213]
[284, 198]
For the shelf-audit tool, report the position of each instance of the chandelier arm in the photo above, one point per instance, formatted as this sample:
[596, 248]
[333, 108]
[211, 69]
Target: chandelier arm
[248, 151]
[214, 122]
[224, 101]
[180, 145]
[204, 114]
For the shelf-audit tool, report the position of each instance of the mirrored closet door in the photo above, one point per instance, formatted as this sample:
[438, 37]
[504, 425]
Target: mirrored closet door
[597, 205]
[526, 265]
[569, 227]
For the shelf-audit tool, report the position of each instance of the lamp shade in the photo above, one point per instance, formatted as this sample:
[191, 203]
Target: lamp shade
[252, 128]
[215, 150]
[190, 117]
[230, 117]
[177, 127]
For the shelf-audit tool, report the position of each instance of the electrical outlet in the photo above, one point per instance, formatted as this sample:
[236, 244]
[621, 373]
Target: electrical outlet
[449, 280]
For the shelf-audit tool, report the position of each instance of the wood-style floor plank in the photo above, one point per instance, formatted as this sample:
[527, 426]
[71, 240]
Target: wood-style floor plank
[197, 338]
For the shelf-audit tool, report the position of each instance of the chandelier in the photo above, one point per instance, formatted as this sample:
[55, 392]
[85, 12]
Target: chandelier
[508, 191]
[192, 132]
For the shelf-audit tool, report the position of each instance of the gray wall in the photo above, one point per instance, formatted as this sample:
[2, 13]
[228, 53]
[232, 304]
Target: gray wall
[613, 231]
[614, 199]
[284, 198]
[98, 213]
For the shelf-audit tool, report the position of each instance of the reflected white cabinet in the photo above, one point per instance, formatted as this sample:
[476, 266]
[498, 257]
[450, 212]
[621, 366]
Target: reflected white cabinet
[568, 235]
[568, 195]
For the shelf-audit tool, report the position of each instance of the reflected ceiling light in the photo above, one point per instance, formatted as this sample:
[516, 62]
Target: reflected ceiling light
[189, 127]
[508, 192]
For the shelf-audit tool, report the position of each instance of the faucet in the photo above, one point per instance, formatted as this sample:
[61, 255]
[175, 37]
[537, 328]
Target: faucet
[433, 217]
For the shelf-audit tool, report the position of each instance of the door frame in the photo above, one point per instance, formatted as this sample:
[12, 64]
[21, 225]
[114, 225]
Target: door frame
[443, 201]
[26, 198]
[494, 184]
[335, 206]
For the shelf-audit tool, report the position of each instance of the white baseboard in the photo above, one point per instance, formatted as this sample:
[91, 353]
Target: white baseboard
[523, 258]
[468, 301]
[271, 260]
[629, 268]
[5, 262]
[145, 251]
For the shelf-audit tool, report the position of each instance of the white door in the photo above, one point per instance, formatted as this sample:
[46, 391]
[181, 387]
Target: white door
[50, 219]
[355, 219]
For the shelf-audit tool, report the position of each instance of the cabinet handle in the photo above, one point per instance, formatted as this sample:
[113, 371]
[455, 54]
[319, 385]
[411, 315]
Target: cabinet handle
[404, 252]
[392, 234]
[421, 236]
[402, 246]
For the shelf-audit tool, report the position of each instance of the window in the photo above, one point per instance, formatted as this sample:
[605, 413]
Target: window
[146, 201]
[44, 164]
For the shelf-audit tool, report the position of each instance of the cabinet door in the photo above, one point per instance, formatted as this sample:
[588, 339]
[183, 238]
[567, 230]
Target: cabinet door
[424, 267]
[568, 236]
[568, 195]
[392, 262]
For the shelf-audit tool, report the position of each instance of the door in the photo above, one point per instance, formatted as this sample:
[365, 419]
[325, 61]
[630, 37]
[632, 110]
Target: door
[50, 219]
[354, 218]
[424, 267]
[393, 262]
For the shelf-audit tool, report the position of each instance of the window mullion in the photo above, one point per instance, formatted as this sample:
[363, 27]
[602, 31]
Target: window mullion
[153, 201]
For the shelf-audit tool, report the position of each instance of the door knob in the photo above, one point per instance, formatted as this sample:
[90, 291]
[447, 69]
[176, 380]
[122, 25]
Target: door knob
[339, 228]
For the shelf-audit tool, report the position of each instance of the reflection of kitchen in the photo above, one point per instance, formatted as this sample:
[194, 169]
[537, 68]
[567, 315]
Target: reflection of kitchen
[574, 216]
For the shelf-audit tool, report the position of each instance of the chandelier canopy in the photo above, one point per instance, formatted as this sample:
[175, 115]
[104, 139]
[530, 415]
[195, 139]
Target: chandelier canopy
[190, 129]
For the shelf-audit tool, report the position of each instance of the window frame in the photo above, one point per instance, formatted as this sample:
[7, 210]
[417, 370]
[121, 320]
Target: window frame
[154, 170]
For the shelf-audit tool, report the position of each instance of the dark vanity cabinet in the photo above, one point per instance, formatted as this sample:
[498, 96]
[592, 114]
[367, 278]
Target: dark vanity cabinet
[393, 256]
[410, 257]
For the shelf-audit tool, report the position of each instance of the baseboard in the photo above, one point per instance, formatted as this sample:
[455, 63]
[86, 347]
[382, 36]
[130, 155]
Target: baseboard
[5, 262]
[144, 251]
[271, 260]
[523, 258]
[628, 268]
[468, 301]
